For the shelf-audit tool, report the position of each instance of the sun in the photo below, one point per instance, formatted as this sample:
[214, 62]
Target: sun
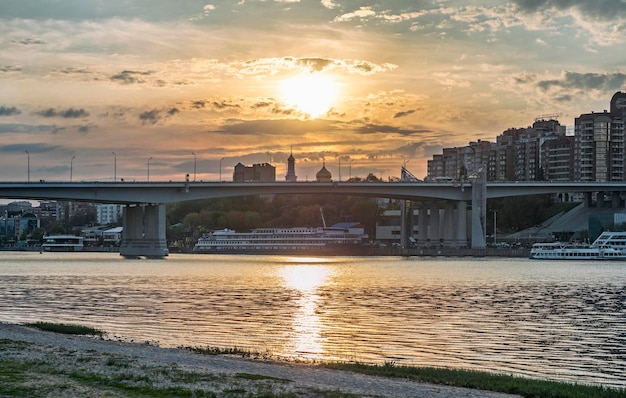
[313, 94]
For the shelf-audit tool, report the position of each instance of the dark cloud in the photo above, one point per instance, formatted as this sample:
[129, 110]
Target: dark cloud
[27, 42]
[32, 148]
[26, 128]
[70, 113]
[376, 128]
[261, 104]
[198, 104]
[403, 114]
[130, 77]
[314, 64]
[72, 70]
[150, 117]
[6, 111]
[173, 111]
[295, 127]
[595, 9]
[10, 68]
[286, 127]
[585, 81]
[223, 105]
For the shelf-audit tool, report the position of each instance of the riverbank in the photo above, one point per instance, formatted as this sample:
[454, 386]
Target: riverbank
[36, 363]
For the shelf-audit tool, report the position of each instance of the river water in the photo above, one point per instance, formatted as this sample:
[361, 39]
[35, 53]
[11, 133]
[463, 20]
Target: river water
[555, 320]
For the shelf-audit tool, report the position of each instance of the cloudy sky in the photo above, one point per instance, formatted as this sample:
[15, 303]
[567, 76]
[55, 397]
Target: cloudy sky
[370, 85]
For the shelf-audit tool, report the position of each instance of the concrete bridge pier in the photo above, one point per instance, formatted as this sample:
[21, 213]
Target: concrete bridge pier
[616, 200]
[449, 231]
[433, 225]
[461, 224]
[144, 231]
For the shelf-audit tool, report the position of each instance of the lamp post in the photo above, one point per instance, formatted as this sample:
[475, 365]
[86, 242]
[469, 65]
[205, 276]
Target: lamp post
[350, 170]
[149, 159]
[114, 166]
[221, 169]
[195, 158]
[72, 166]
[28, 164]
[339, 168]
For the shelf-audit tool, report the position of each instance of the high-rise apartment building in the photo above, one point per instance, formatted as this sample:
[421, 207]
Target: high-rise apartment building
[599, 143]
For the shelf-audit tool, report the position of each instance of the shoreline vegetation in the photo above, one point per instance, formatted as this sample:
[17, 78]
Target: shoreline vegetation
[46, 359]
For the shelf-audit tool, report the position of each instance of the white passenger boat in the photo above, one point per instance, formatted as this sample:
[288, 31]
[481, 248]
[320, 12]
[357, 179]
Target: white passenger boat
[608, 246]
[63, 243]
[343, 238]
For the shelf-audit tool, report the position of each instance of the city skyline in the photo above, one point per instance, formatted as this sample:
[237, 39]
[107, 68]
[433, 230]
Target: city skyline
[155, 90]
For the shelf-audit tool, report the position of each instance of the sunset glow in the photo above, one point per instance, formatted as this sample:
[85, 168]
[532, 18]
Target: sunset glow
[311, 94]
[383, 84]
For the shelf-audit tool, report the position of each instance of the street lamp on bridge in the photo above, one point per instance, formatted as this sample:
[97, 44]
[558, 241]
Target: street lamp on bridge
[71, 167]
[195, 158]
[149, 159]
[114, 166]
[221, 169]
[28, 164]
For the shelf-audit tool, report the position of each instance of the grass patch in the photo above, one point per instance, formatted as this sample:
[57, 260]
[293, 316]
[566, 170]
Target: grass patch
[222, 351]
[66, 328]
[251, 376]
[484, 381]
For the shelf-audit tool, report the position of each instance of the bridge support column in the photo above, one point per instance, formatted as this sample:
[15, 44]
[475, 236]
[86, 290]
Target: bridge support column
[616, 200]
[433, 232]
[404, 222]
[144, 231]
[449, 232]
[422, 225]
[461, 224]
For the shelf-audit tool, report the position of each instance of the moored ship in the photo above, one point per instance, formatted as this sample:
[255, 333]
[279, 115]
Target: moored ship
[63, 243]
[608, 246]
[343, 238]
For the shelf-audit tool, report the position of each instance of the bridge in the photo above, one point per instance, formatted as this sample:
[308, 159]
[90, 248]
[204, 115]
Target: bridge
[443, 206]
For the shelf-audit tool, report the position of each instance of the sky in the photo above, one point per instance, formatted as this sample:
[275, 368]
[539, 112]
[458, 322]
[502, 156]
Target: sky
[156, 89]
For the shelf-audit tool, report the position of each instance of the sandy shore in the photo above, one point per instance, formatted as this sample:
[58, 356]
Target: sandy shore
[68, 366]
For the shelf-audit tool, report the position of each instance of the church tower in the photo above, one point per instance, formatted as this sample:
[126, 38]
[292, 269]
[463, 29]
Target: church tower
[291, 168]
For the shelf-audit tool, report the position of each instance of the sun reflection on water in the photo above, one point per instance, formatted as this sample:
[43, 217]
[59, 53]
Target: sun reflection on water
[307, 340]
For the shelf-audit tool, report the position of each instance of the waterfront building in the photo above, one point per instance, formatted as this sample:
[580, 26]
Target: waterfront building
[108, 213]
[389, 227]
[260, 172]
[515, 156]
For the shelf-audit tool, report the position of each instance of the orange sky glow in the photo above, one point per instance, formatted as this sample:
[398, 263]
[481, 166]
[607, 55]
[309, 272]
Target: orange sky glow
[370, 87]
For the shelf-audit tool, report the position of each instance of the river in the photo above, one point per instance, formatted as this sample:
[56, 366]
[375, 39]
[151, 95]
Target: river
[554, 320]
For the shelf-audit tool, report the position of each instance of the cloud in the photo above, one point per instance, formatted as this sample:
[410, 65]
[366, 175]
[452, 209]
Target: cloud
[361, 13]
[130, 77]
[381, 128]
[330, 4]
[29, 41]
[263, 67]
[31, 147]
[6, 111]
[26, 128]
[10, 68]
[403, 114]
[150, 117]
[70, 113]
[607, 10]
[606, 82]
